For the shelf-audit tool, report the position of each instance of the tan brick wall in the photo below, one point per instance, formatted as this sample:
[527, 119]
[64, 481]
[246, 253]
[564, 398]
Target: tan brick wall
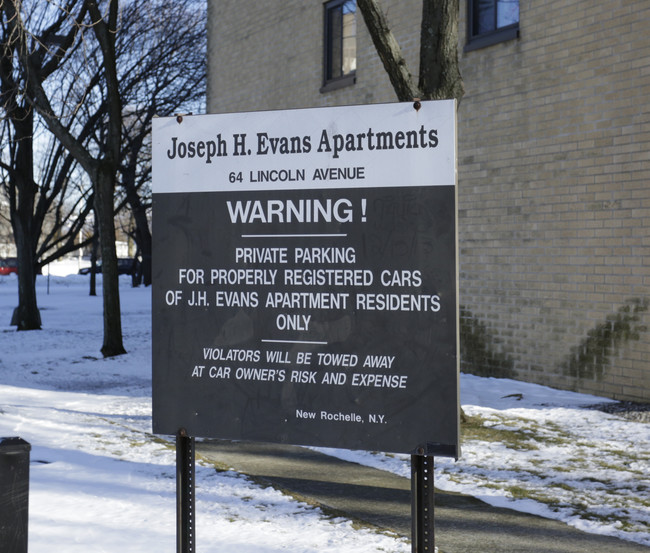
[554, 136]
[554, 170]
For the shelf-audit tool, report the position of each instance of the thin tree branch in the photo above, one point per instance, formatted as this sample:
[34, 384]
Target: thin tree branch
[389, 50]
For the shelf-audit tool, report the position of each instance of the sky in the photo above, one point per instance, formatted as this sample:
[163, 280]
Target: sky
[100, 481]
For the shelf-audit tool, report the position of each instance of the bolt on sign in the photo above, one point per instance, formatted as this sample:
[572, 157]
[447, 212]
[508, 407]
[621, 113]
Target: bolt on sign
[305, 277]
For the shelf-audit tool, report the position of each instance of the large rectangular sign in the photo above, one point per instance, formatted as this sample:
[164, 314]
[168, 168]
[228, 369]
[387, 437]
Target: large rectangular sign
[305, 277]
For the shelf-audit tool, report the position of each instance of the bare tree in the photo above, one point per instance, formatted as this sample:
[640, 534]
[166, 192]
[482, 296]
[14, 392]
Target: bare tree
[63, 205]
[36, 202]
[439, 76]
[47, 206]
[161, 64]
[18, 182]
[83, 20]
[67, 62]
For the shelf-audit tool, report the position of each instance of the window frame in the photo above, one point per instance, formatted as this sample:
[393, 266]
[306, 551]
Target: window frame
[334, 83]
[482, 40]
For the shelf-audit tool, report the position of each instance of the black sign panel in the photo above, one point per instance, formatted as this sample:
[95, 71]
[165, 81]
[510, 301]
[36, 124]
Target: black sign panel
[313, 316]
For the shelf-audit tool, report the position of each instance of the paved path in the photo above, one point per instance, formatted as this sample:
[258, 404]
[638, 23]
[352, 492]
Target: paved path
[463, 524]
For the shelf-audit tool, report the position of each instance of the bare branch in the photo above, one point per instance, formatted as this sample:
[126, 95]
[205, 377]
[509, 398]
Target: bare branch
[388, 49]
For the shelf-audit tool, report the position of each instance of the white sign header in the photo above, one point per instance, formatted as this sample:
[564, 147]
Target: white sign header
[377, 145]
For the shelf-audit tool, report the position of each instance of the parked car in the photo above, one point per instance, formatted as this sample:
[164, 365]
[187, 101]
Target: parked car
[86, 270]
[8, 265]
[125, 266]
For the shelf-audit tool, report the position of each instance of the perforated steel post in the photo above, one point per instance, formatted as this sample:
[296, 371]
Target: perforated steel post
[422, 498]
[185, 528]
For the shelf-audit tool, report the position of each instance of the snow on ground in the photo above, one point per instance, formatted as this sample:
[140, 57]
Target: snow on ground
[538, 450]
[100, 482]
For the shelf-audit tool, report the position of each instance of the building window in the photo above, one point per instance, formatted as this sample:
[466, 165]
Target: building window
[340, 44]
[491, 21]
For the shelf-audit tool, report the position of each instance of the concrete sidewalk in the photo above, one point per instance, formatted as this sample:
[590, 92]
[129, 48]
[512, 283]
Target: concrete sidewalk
[375, 497]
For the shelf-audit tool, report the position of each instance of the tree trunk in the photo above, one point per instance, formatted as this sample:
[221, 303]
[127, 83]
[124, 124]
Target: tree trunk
[142, 232]
[145, 249]
[389, 50]
[26, 316]
[93, 260]
[105, 176]
[440, 77]
[22, 193]
[104, 189]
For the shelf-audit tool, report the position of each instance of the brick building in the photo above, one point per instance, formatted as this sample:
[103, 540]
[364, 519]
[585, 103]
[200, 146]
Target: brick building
[554, 164]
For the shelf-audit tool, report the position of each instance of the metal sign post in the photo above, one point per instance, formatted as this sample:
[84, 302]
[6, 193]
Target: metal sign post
[185, 529]
[422, 504]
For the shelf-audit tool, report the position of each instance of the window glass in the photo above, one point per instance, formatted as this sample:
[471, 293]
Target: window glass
[507, 12]
[491, 21]
[340, 39]
[349, 39]
[483, 16]
[490, 15]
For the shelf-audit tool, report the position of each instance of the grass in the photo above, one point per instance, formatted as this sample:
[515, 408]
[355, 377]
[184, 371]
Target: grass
[481, 429]
[604, 483]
